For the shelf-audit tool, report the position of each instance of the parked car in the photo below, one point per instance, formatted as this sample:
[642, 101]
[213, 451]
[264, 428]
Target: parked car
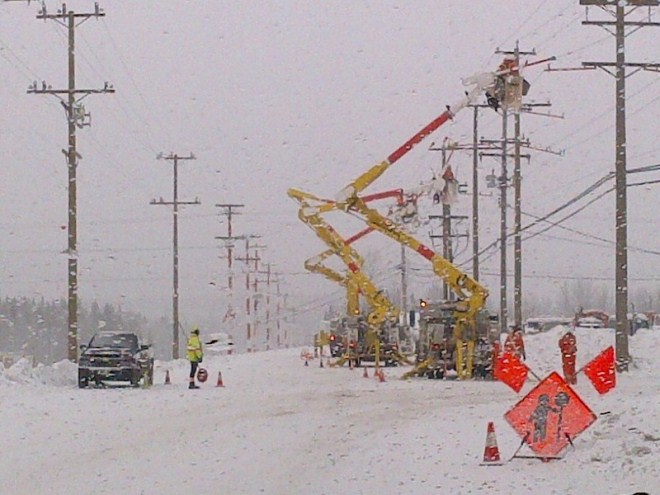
[116, 357]
[590, 322]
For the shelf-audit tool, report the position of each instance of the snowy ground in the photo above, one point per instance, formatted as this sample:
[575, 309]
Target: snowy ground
[281, 428]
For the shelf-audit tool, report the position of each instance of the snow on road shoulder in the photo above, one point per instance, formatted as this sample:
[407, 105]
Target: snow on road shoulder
[278, 427]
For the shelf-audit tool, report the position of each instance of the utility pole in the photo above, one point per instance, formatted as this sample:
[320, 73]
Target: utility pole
[447, 243]
[228, 211]
[404, 285]
[175, 203]
[267, 272]
[248, 300]
[257, 294]
[621, 9]
[475, 188]
[517, 191]
[281, 340]
[475, 147]
[76, 118]
[510, 79]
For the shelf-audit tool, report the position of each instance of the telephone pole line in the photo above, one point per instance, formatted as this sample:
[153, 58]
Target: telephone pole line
[175, 203]
[621, 258]
[475, 147]
[511, 82]
[475, 188]
[76, 118]
[248, 299]
[447, 244]
[228, 211]
[517, 192]
[257, 294]
[268, 281]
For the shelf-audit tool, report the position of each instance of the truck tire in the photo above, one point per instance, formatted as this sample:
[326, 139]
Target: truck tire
[149, 375]
[83, 381]
[135, 379]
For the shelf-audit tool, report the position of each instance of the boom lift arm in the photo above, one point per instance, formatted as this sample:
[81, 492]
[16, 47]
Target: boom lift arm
[471, 295]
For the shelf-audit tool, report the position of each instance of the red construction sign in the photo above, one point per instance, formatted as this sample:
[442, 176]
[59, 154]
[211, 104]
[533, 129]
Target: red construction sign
[550, 416]
[511, 370]
[600, 371]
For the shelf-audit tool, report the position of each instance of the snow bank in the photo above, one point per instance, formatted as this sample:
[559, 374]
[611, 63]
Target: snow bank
[60, 374]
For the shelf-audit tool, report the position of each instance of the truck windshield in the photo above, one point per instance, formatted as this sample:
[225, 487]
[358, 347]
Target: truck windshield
[120, 341]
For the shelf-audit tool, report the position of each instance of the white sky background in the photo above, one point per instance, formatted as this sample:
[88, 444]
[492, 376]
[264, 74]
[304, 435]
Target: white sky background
[271, 95]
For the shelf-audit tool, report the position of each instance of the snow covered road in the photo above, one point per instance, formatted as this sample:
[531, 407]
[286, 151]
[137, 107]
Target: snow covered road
[281, 428]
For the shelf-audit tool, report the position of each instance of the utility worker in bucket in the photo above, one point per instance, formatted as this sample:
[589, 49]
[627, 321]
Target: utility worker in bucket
[194, 355]
[568, 347]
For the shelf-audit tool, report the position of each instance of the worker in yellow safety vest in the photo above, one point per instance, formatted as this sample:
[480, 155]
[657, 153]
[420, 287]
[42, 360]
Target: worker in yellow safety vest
[195, 354]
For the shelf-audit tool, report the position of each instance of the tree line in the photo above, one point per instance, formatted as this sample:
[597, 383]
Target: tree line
[39, 328]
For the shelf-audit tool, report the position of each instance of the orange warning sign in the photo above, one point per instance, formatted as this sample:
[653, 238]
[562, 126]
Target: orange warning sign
[511, 370]
[550, 416]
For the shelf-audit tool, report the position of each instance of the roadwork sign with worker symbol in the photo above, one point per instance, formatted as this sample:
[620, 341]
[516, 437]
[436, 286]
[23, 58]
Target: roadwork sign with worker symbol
[550, 416]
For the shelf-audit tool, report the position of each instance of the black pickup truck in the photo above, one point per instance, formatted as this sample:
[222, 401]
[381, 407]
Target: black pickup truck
[116, 357]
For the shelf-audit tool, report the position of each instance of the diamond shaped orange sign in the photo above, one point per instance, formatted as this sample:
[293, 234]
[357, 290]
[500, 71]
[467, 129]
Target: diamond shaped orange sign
[550, 416]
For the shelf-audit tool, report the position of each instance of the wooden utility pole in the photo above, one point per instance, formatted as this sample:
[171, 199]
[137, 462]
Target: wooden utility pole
[268, 274]
[281, 339]
[229, 239]
[475, 147]
[248, 299]
[447, 243]
[621, 9]
[404, 285]
[517, 191]
[257, 294]
[504, 184]
[228, 211]
[475, 189]
[175, 203]
[76, 118]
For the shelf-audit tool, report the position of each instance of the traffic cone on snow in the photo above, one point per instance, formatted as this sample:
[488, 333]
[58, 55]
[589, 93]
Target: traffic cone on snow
[220, 382]
[491, 452]
[380, 375]
[365, 374]
[167, 377]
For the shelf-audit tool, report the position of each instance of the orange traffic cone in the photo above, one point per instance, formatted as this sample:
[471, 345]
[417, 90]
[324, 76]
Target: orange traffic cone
[167, 377]
[380, 375]
[491, 452]
[220, 382]
[366, 373]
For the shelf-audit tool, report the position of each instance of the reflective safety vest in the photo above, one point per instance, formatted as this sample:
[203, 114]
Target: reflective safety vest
[195, 352]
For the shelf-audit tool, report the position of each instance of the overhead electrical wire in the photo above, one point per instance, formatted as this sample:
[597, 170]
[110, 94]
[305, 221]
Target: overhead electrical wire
[583, 194]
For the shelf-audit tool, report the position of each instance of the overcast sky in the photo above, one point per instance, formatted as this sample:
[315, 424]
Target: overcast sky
[272, 95]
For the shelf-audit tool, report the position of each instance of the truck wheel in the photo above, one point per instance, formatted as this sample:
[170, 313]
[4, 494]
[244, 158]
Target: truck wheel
[135, 379]
[82, 380]
[149, 377]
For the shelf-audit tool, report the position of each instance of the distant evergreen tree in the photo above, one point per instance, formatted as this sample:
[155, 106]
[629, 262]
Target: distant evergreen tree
[39, 328]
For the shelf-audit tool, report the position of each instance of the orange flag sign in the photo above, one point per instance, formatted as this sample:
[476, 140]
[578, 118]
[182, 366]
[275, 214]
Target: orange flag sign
[600, 371]
[511, 370]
